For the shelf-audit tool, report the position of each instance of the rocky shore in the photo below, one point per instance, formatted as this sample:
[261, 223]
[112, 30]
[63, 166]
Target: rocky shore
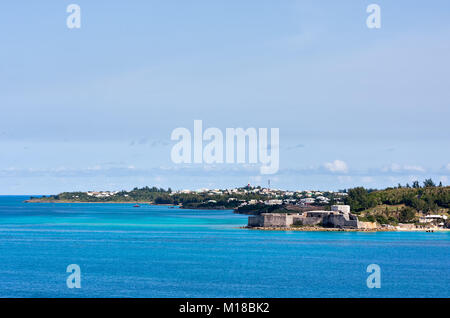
[314, 229]
[324, 229]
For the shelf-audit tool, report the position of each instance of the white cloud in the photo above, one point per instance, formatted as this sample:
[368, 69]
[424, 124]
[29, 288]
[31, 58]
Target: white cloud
[403, 168]
[336, 166]
[447, 166]
[414, 168]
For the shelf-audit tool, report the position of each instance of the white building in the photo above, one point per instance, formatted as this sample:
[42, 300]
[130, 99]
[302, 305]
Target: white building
[433, 218]
[273, 202]
[308, 200]
[342, 208]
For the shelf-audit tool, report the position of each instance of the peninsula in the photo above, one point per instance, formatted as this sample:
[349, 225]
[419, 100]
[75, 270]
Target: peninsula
[413, 207]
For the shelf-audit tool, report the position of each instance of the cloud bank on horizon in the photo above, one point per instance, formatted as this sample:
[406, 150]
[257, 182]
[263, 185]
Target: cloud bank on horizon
[94, 108]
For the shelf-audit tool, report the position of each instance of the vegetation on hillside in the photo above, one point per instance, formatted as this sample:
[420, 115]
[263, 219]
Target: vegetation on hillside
[401, 204]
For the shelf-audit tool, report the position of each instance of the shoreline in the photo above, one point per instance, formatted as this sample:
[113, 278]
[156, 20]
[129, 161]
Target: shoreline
[98, 202]
[324, 229]
[221, 208]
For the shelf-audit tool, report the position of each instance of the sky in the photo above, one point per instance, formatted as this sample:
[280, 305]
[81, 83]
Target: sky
[94, 108]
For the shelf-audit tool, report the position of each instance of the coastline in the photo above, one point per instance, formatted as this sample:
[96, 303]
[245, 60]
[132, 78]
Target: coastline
[312, 229]
[131, 202]
[324, 229]
[96, 202]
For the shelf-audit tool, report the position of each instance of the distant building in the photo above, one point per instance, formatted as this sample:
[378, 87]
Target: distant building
[322, 199]
[342, 208]
[308, 200]
[433, 218]
[273, 202]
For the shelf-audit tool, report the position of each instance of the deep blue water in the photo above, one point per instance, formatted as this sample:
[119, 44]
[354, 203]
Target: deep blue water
[161, 252]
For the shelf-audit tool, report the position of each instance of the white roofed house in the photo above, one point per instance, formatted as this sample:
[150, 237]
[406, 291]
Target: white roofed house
[434, 218]
[322, 199]
[273, 202]
[308, 200]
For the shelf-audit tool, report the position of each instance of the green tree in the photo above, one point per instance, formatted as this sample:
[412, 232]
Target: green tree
[428, 183]
[407, 215]
[359, 199]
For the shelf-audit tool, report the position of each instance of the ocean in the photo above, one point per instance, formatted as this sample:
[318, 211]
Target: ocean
[157, 251]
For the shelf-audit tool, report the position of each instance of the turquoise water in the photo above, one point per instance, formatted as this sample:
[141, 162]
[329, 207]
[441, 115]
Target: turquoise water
[155, 251]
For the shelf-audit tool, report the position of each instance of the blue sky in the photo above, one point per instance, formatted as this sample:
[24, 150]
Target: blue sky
[93, 108]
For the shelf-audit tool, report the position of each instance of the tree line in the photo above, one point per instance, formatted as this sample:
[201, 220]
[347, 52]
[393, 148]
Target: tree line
[426, 199]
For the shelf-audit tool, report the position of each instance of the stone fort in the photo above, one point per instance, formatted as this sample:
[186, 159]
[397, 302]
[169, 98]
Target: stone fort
[338, 217]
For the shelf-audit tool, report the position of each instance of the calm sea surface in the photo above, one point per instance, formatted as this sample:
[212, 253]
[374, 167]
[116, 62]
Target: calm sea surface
[155, 251]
